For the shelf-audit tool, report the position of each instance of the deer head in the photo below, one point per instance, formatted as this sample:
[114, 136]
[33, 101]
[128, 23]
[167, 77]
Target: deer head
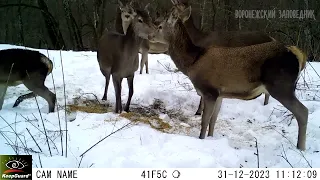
[128, 13]
[142, 24]
[166, 28]
[183, 9]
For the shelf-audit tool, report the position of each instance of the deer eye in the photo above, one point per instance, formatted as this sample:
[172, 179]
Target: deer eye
[140, 21]
[160, 27]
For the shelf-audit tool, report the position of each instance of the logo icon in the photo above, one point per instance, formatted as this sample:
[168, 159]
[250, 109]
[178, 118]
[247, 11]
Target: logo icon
[16, 167]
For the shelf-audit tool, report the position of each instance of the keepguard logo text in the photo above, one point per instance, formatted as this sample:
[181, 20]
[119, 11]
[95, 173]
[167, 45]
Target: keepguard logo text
[16, 167]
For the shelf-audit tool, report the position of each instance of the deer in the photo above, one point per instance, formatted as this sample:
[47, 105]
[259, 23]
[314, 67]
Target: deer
[270, 67]
[220, 38]
[122, 23]
[117, 55]
[28, 67]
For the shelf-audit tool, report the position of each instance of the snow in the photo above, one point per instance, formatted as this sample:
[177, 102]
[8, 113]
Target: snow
[239, 125]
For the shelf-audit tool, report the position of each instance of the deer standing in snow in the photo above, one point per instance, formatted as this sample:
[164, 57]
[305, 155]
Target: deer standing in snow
[127, 14]
[118, 54]
[28, 67]
[270, 68]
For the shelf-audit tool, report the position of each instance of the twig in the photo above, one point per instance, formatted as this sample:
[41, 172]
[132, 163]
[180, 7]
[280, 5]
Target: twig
[300, 152]
[57, 104]
[40, 131]
[44, 128]
[93, 95]
[54, 89]
[24, 148]
[40, 161]
[61, 134]
[314, 69]
[11, 124]
[13, 131]
[113, 132]
[284, 156]
[3, 135]
[34, 140]
[80, 161]
[65, 104]
[257, 152]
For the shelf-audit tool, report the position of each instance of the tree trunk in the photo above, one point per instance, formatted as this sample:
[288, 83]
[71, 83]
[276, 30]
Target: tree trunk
[203, 14]
[214, 12]
[21, 33]
[74, 31]
[91, 22]
[52, 26]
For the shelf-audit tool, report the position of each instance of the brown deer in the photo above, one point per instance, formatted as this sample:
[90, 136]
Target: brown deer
[250, 71]
[127, 14]
[28, 67]
[219, 38]
[118, 55]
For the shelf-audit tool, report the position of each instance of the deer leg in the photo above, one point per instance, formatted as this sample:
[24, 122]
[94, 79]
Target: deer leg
[23, 97]
[117, 89]
[279, 75]
[288, 99]
[107, 76]
[266, 99]
[214, 116]
[36, 85]
[209, 103]
[200, 108]
[3, 90]
[130, 85]
[144, 59]
[147, 66]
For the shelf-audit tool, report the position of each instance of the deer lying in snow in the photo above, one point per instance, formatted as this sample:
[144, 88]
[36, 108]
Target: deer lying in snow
[122, 24]
[118, 55]
[219, 38]
[235, 72]
[28, 67]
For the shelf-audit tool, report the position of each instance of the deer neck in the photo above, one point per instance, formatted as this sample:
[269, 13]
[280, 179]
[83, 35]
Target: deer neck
[125, 26]
[132, 37]
[118, 24]
[194, 33]
[182, 50]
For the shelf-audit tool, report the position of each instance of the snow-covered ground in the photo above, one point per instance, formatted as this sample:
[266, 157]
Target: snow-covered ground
[239, 125]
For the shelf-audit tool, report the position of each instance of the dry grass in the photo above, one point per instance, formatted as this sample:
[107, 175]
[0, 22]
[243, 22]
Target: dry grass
[88, 109]
[154, 121]
[139, 114]
[88, 106]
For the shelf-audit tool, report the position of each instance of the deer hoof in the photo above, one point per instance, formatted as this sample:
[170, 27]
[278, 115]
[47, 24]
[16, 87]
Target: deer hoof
[201, 136]
[198, 113]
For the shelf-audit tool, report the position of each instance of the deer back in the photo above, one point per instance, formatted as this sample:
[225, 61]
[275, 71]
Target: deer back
[19, 64]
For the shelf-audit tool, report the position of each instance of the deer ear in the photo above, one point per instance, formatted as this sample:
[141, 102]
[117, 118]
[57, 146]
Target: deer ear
[131, 3]
[185, 14]
[146, 8]
[120, 4]
[174, 2]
